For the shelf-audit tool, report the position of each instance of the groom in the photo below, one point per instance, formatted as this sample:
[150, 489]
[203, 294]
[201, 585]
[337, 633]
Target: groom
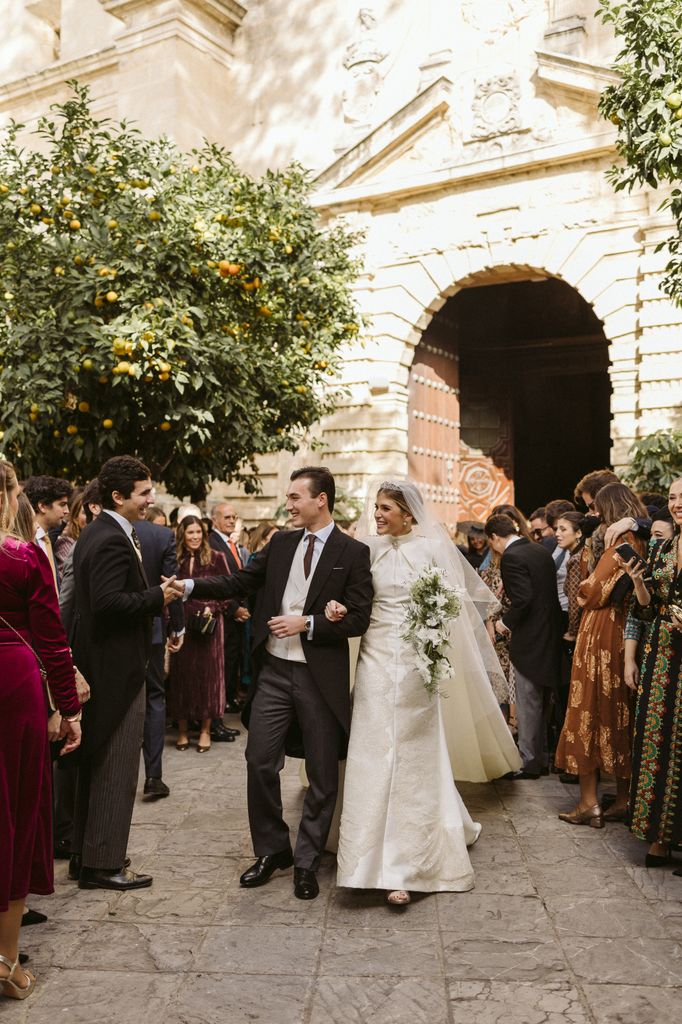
[301, 695]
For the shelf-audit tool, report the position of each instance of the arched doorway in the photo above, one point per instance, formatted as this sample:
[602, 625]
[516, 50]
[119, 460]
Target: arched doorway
[509, 398]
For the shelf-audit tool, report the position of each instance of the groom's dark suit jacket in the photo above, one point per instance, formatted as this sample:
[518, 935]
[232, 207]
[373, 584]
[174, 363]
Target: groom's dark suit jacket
[342, 574]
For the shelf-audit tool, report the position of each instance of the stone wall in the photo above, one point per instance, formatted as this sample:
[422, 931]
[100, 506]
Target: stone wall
[463, 139]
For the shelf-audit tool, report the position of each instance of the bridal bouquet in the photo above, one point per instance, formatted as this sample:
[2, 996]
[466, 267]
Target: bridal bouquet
[433, 604]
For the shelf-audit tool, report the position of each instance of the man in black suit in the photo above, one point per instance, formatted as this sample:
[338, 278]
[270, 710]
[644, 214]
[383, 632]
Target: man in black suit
[534, 621]
[302, 688]
[114, 608]
[158, 559]
[224, 519]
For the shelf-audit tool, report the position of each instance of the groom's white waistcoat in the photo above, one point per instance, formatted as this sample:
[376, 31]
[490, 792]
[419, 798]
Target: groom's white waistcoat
[293, 602]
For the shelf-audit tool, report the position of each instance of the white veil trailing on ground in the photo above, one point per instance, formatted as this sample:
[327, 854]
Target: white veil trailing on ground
[479, 742]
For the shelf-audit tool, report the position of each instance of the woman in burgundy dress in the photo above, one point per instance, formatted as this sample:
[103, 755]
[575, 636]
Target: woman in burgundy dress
[197, 676]
[29, 621]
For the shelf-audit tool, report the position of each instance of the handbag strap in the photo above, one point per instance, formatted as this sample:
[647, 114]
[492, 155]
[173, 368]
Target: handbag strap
[26, 644]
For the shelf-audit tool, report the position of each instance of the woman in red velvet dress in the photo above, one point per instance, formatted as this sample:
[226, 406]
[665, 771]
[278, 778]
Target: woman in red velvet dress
[28, 604]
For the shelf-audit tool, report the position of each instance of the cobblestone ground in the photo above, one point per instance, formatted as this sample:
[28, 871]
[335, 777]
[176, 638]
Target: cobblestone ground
[564, 925]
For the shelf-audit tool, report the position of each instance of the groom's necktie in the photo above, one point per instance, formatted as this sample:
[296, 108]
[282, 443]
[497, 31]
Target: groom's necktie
[308, 557]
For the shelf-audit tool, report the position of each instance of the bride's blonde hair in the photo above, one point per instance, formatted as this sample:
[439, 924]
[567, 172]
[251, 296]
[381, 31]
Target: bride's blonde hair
[8, 483]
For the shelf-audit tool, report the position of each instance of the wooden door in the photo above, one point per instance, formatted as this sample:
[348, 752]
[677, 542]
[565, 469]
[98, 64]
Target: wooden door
[433, 435]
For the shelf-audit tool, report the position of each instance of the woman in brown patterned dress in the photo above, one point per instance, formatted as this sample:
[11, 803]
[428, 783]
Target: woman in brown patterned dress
[197, 676]
[597, 732]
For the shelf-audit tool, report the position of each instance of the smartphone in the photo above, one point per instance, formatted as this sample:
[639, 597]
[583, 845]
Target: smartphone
[627, 553]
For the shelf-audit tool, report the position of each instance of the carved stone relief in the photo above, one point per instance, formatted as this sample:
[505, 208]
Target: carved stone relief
[495, 20]
[496, 107]
[362, 59]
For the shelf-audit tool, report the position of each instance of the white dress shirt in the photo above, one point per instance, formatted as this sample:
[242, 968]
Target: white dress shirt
[321, 538]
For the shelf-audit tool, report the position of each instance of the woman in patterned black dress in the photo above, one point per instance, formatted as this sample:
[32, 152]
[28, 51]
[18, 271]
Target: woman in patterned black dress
[656, 792]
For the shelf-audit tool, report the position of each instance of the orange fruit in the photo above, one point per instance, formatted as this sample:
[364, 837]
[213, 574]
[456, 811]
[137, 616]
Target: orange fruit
[107, 424]
[84, 407]
[165, 425]
[71, 429]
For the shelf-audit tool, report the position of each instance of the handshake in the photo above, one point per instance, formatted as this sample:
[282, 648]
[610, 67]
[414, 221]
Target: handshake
[172, 589]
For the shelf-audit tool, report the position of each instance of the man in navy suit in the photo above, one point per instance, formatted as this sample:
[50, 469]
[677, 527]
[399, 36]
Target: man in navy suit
[159, 559]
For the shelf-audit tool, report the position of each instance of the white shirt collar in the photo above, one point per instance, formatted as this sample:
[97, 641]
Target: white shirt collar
[321, 535]
[40, 533]
[124, 523]
[511, 540]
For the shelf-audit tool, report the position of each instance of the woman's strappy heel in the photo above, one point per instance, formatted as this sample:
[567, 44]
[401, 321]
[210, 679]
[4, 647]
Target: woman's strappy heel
[10, 988]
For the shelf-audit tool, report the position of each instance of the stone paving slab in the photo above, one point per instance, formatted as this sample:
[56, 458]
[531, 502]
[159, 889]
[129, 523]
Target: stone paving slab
[565, 925]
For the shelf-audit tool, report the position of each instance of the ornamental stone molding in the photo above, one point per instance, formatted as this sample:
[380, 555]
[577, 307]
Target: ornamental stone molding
[496, 106]
[227, 13]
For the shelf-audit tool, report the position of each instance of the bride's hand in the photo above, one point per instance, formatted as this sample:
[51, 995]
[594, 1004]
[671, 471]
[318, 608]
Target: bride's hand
[335, 611]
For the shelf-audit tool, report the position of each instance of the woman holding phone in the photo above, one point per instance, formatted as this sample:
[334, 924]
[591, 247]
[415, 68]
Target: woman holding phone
[656, 793]
[597, 732]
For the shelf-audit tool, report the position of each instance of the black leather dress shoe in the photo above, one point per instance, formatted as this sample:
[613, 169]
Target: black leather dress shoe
[156, 788]
[121, 880]
[62, 849]
[233, 708]
[265, 867]
[305, 884]
[523, 774]
[32, 917]
[220, 734]
[76, 863]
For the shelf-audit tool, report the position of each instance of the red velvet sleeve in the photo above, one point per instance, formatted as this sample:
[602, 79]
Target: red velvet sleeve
[47, 633]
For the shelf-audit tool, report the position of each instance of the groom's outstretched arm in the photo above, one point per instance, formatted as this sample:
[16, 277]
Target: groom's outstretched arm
[357, 596]
[244, 582]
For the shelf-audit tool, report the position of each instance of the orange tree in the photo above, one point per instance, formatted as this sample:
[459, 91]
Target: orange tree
[646, 106]
[160, 304]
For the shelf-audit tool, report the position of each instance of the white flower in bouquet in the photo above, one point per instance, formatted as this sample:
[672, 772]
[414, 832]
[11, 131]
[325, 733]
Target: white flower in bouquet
[432, 606]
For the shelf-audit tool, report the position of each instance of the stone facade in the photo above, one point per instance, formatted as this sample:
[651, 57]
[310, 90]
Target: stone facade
[462, 138]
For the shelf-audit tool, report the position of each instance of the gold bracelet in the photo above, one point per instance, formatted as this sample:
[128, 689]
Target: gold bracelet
[74, 718]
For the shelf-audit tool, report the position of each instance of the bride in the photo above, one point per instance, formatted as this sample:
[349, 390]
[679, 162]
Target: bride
[403, 825]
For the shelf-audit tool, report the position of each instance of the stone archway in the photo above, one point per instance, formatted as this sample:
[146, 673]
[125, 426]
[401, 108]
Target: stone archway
[509, 397]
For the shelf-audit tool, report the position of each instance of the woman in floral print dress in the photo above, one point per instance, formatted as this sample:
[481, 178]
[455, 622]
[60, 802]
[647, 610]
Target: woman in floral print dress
[656, 792]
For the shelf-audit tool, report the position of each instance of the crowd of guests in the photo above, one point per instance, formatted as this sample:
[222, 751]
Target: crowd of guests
[588, 633]
[94, 607]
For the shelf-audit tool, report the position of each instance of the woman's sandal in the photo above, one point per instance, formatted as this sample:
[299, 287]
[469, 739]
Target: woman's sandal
[398, 898]
[10, 988]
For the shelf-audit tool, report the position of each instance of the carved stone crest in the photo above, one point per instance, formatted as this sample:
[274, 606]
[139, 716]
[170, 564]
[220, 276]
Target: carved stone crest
[362, 59]
[496, 107]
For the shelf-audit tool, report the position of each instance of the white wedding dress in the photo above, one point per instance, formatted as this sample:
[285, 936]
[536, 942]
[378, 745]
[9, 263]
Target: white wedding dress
[403, 823]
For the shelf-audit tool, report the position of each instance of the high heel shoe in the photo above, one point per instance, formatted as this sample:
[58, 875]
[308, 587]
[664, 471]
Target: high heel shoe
[203, 749]
[398, 898]
[10, 988]
[614, 814]
[182, 746]
[592, 816]
[654, 860]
